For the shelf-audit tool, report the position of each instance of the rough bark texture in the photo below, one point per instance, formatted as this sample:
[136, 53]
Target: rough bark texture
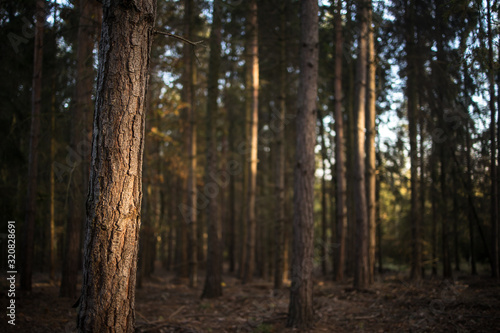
[361, 277]
[324, 207]
[29, 227]
[370, 148]
[253, 66]
[114, 198]
[213, 278]
[341, 194]
[79, 145]
[300, 312]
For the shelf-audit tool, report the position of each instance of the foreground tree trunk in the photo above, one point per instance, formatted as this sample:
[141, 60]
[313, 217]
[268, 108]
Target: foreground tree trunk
[213, 278]
[341, 195]
[300, 312]
[361, 274]
[115, 186]
[29, 227]
[253, 67]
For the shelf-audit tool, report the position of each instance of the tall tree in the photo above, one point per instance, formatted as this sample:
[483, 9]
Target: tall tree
[361, 277]
[213, 278]
[36, 105]
[341, 193]
[78, 143]
[188, 96]
[253, 68]
[115, 186]
[370, 147]
[495, 272]
[300, 311]
[279, 172]
[412, 100]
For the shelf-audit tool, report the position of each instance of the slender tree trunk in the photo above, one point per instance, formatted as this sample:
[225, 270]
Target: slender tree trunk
[115, 186]
[280, 170]
[434, 208]
[493, 172]
[36, 104]
[52, 218]
[188, 96]
[213, 279]
[78, 144]
[300, 312]
[416, 258]
[341, 195]
[370, 148]
[253, 66]
[361, 274]
[324, 207]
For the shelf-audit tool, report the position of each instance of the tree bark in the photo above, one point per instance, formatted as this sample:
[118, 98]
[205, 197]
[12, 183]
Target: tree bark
[416, 258]
[370, 148]
[213, 278]
[115, 186]
[253, 66]
[361, 274]
[36, 104]
[341, 194]
[495, 272]
[188, 96]
[300, 312]
[324, 207]
[279, 172]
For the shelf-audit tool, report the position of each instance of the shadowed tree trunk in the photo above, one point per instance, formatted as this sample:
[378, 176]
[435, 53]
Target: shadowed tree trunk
[300, 311]
[412, 91]
[495, 272]
[253, 67]
[341, 195]
[213, 278]
[80, 146]
[279, 173]
[115, 186]
[29, 227]
[361, 275]
[188, 96]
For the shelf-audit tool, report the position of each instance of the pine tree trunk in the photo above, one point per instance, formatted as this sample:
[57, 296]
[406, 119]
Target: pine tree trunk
[79, 145]
[36, 105]
[361, 277]
[253, 66]
[300, 312]
[370, 148]
[115, 186]
[279, 172]
[324, 207]
[495, 272]
[213, 279]
[188, 98]
[341, 194]
[416, 261]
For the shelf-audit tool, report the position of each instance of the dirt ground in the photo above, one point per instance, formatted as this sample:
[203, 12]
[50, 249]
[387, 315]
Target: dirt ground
[468, 304]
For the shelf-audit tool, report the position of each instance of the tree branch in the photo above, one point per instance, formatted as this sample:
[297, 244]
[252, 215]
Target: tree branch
[180, 38]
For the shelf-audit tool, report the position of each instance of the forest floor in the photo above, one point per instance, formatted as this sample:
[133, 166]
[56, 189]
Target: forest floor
[468, 304]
